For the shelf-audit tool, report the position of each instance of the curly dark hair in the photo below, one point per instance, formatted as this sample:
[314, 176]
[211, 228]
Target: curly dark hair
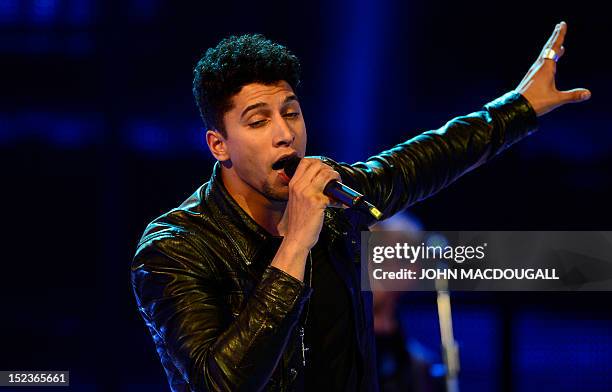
[234, 62]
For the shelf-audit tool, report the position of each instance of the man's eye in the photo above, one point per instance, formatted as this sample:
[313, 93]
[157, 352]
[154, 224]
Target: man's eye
[257, 124]
[292, 114]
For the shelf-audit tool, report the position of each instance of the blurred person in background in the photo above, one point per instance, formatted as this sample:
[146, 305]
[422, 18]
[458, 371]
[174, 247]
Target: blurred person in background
[403, 363]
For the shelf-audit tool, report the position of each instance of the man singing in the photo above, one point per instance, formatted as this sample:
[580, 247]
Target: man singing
[253, 282]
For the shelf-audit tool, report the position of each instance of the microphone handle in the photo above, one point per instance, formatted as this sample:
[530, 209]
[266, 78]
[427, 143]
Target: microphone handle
[342, 193]
[337, 190]
[350, 198]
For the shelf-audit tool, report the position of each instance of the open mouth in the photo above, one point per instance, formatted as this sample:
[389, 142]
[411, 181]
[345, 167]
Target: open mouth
[284, 177]
[280, 164]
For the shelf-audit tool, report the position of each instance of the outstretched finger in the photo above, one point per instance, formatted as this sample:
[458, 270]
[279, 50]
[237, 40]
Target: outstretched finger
[575, 95]
[553, 38]
[558, 42]
[554, 43]
[561, 51]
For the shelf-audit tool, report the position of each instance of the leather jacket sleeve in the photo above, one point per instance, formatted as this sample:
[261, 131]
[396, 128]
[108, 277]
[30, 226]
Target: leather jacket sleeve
[425, 164]
[182, 301]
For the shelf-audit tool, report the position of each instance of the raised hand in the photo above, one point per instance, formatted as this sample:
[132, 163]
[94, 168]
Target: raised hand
[539, 87]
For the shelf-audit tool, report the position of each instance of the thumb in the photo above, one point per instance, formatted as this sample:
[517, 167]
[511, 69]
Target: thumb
[575, 95]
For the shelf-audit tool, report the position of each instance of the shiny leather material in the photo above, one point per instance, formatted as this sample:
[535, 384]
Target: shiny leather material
[222, 319]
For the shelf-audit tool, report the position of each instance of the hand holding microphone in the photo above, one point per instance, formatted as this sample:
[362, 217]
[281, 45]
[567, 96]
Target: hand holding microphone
[334, 189]
[313, 187]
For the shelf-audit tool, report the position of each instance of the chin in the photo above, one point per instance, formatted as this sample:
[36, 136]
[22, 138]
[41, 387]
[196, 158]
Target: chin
[276, 193]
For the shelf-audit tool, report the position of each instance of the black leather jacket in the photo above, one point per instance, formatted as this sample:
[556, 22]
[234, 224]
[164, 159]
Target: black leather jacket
[223, 319]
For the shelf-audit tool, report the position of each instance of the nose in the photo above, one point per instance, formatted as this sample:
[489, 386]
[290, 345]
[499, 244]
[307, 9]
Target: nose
[284, 135]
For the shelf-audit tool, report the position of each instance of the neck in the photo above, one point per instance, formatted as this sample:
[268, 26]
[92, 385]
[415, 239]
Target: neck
[267, 213]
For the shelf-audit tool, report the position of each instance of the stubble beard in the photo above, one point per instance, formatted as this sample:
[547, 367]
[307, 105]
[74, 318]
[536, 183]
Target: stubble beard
[273, 194]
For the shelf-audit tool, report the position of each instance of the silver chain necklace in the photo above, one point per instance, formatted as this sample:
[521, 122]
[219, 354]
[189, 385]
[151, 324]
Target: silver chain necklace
[303, 327]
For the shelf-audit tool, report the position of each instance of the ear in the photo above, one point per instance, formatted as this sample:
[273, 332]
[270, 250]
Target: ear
[217, 145]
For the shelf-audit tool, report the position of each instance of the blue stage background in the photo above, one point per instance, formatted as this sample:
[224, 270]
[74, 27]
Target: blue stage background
[99, 134]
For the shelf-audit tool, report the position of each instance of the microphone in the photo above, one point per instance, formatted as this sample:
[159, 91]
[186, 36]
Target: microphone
[334, 189]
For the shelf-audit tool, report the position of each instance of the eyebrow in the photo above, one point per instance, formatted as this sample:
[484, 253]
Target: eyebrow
[257, 105]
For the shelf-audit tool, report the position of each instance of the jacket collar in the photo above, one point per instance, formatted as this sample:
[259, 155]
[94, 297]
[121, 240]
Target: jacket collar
[246, 234]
